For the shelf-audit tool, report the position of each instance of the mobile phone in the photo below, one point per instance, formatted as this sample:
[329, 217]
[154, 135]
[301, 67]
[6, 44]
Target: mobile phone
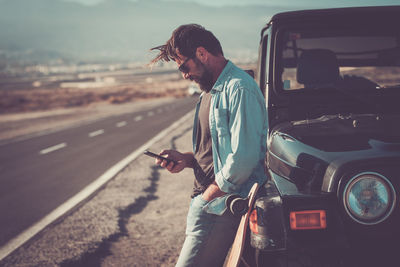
[154, 155]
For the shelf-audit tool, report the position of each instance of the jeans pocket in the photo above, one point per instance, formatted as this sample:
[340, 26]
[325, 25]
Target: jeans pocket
[198, 221]
[198, 203]
[202, 201]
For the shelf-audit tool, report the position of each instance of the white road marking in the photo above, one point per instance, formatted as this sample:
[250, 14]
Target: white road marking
[121, 124]
[89, 190]
[138, 118]
[150, 113]
[96, 133]
[52, 148]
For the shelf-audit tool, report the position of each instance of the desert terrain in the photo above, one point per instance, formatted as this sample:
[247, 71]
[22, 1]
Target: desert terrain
[38, 105]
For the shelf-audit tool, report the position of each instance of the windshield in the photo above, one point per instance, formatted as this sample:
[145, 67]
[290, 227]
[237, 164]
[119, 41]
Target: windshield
[322, 57]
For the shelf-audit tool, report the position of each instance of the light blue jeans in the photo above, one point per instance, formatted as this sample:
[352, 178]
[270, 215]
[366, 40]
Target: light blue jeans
[208, 236]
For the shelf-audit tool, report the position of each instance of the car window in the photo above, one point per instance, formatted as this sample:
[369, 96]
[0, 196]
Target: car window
[320, 58]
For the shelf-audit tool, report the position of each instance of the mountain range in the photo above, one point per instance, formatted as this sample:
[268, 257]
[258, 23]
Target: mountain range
[115, 30]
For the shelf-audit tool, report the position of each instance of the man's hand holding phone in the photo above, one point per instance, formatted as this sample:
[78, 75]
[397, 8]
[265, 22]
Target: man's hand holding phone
[173, 160]
[157, 156]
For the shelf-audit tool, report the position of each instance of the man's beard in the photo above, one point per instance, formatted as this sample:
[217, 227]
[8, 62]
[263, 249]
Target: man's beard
[205, 81]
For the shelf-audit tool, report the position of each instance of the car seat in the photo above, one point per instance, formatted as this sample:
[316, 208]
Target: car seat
[317, 68]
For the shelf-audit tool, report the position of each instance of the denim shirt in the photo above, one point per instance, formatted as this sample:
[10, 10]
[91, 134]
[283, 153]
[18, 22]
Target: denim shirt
[238, 126]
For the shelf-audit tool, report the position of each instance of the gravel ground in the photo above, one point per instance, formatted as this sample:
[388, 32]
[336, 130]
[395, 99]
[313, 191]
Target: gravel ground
[137, 219]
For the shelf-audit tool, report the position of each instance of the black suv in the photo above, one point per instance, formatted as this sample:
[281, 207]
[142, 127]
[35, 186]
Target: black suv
[331, 79]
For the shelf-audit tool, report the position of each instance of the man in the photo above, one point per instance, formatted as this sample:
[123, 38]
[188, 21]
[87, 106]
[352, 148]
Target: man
[229, 142]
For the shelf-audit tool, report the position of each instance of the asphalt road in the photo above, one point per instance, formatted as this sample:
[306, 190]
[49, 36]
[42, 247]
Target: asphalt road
[39, 174]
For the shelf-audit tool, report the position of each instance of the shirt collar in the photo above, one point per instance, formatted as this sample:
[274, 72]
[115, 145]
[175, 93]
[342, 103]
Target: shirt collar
[219, 84]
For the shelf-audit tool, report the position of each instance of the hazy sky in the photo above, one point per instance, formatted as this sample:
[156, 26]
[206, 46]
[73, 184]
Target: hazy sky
[76, 32]
[305, 3]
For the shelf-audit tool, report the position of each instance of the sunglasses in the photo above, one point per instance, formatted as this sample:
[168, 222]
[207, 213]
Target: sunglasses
[183, 68]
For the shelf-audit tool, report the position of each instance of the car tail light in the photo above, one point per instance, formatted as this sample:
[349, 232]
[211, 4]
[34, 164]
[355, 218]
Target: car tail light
[253, 221]
[307, 219]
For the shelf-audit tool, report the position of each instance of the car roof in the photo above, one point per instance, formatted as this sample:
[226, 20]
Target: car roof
[372, 12]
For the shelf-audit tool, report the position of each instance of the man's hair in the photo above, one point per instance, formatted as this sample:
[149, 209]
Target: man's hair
[186, 39]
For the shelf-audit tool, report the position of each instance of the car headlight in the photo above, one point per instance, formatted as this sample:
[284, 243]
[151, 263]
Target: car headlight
[369, 198]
